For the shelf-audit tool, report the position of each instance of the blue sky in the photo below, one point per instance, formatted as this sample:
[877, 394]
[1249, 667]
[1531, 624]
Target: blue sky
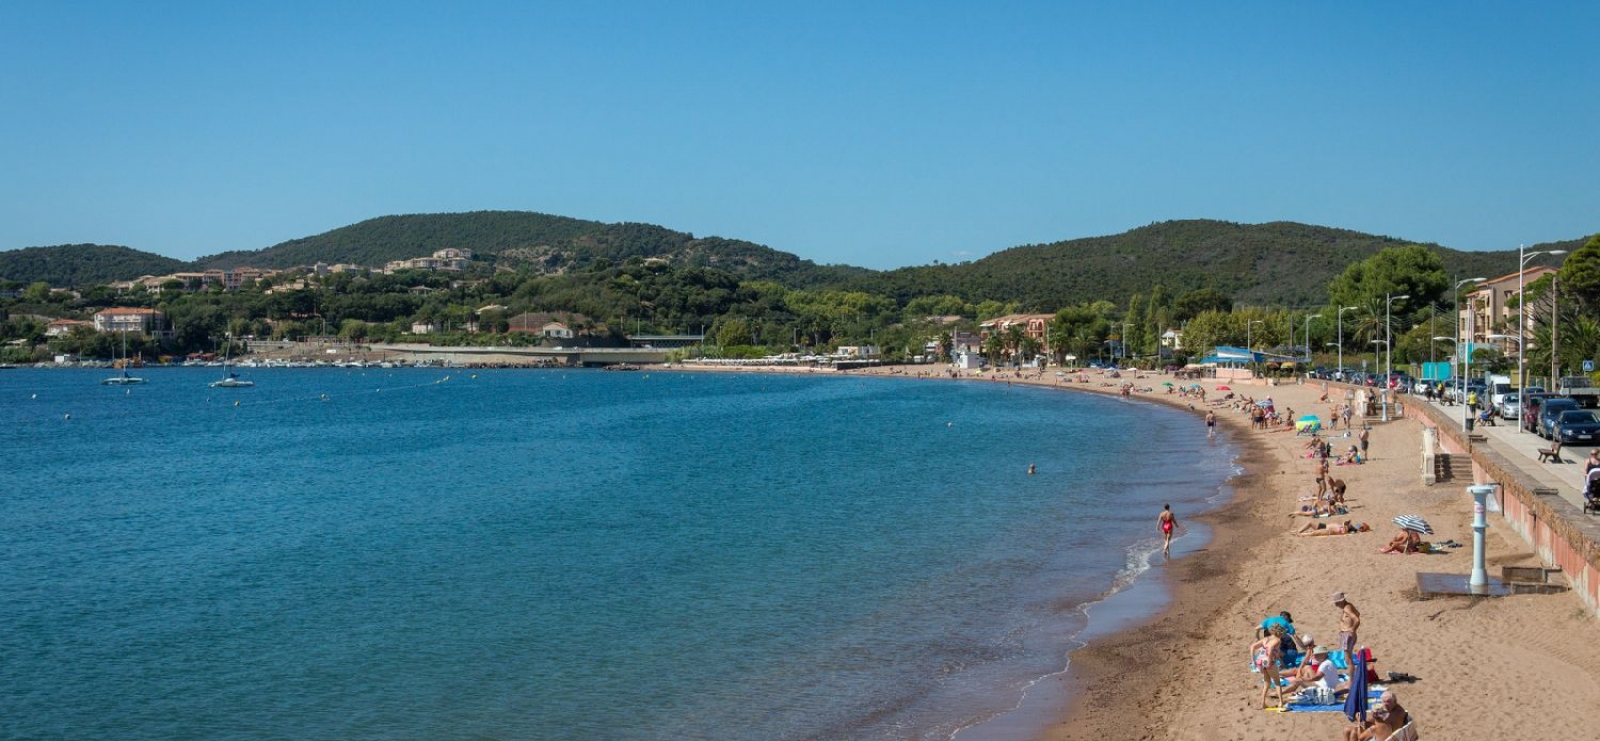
[873, 134]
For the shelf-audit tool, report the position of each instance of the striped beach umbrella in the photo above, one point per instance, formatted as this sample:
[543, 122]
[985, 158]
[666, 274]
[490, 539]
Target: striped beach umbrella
[1413, 523]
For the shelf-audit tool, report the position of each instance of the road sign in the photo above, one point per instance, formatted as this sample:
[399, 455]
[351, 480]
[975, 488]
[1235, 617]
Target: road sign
[1588, 366]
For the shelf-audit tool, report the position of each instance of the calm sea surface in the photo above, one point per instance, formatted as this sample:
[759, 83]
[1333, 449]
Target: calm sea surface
[424, 554]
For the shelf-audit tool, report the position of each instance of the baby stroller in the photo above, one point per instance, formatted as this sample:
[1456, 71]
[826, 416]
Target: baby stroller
[1591, 493]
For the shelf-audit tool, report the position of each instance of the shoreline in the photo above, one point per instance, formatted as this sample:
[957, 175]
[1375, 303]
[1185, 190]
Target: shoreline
[1087, 696]
[1532, 669]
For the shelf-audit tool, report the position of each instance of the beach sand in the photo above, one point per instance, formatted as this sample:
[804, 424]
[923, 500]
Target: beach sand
[1525, 666]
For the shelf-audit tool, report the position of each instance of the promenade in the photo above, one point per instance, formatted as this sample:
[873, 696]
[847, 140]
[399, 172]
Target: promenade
[1521, 449]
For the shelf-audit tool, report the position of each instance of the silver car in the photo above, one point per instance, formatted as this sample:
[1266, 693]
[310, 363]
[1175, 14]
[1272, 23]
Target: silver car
[1510, 406]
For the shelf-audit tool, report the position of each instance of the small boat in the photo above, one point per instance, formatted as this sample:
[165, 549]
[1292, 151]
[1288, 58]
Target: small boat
[124, 379]
[230, 380]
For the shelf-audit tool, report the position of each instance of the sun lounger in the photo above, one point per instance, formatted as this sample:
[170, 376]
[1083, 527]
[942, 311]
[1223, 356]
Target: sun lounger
[1553, 454]
[1407, 732]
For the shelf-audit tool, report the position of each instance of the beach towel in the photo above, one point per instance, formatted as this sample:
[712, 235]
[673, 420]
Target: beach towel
[1373, 695]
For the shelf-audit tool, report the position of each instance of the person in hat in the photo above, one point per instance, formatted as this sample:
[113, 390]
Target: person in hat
[1349, 623]
[1317, 671]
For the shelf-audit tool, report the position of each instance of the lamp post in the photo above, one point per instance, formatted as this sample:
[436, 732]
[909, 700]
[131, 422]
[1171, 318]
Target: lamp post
[1464, 357]
[1125, 326]
[1342, 310]
[1522, 312]
[1308, 336]
[1388, 346]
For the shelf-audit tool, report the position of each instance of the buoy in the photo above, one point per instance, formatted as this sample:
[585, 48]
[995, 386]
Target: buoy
[67, 416]
[236, 403]
[35, 396]
[949, 424]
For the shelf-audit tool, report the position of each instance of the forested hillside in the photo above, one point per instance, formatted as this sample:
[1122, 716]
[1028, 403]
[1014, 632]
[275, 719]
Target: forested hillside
[82, 264]
[1276, 263]
[539, 242]
[1281, 263]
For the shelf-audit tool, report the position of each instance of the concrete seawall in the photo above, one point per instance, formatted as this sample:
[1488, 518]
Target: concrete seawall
[1560, 533]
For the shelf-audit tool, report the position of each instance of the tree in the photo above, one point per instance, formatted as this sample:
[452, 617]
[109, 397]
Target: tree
[1580, 274]
[1200, 301]
[734, 331]
[1413, 271]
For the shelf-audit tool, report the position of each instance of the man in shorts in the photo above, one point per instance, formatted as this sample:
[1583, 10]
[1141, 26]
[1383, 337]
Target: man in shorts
[1349, 624]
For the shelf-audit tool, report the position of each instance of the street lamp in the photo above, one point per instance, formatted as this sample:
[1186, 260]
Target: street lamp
[1388, 369]
[1308, 336]
[1125, 326]
[1342, 310]
[1522, 312]
[1461, 378]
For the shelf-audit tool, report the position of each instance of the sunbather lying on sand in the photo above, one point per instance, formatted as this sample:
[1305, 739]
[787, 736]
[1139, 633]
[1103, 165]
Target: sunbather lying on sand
[1316, 529]
[1320, 509]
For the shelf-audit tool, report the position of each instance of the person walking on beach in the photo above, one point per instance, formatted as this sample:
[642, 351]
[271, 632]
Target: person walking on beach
[1168, 522]
[1362, 438]
[1349, 623]
[1211, 424]
[1266, 656]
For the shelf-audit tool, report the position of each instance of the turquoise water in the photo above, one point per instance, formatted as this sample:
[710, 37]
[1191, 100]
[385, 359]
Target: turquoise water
[420, 554]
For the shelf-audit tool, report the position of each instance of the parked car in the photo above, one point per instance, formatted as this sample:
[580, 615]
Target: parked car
[1577, 426]
[1550, 413]
[1460, 395]
[1510, 406]
[1530, 397]
[1530, 410]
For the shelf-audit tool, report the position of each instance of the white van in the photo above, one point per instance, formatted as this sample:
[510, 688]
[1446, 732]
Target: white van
[1499, 386]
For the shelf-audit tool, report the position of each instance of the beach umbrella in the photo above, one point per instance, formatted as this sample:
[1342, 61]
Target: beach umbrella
[1224, 388]
[1415, 523]
[1168, 383]
[1356, 702]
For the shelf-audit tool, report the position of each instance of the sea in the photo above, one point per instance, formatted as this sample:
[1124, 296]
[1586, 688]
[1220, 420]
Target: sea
[412, 553]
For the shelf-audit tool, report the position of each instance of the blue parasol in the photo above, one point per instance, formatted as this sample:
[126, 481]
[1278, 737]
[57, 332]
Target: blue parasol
[1355, 703]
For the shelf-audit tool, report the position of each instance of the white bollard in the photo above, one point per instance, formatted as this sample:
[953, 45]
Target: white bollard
[1430, 444]
[1479, 582]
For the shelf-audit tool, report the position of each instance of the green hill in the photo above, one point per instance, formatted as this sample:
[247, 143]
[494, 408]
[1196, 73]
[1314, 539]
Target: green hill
[82, 264]
[546, 243]
[1282, 263]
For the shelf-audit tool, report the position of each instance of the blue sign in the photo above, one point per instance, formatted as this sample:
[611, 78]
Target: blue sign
[1588, 366]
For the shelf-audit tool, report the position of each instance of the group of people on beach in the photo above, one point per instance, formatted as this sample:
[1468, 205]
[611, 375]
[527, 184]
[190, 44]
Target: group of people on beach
[1294, 665]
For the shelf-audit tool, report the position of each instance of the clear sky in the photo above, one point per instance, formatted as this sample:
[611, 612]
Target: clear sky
[873, 134]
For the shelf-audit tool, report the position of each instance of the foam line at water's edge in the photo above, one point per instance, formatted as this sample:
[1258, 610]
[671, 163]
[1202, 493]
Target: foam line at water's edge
[1140, 559]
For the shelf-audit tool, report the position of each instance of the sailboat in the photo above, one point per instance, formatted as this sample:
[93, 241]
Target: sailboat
[124, 379]
[230, 380]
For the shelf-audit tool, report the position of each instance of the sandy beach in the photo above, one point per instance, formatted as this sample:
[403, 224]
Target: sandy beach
[1519, 666]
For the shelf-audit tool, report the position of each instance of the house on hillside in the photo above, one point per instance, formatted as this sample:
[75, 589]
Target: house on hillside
[1036, 326]
[449, 258]
[147, 321]
[62, 327]
[564, 327]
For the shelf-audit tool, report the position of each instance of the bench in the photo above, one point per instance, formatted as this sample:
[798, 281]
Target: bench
[1553, 454]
